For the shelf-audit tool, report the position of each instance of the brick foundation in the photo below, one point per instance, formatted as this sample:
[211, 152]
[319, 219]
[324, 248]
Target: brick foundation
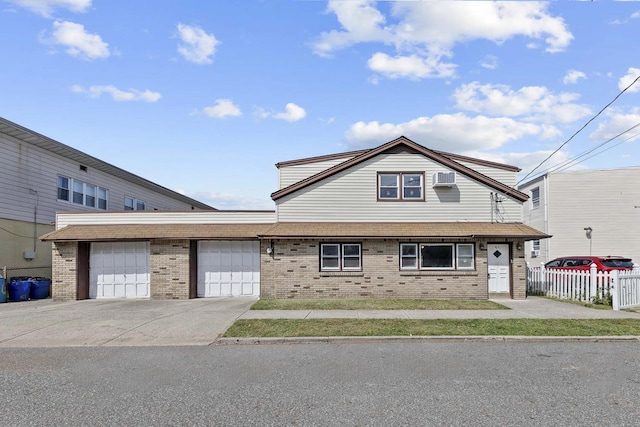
[64, 268]
[169, 268]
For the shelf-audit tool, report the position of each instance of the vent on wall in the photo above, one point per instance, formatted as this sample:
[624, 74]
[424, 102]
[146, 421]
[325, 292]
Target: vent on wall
[444, 179]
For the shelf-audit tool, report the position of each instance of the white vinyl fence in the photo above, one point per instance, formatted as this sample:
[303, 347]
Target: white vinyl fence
[621, 288]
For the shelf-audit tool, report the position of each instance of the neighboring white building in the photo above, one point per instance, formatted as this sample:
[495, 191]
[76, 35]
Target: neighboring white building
[590, 212]
[40, 176]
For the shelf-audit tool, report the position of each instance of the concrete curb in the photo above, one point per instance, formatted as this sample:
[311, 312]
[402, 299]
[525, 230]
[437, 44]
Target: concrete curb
[420, 339]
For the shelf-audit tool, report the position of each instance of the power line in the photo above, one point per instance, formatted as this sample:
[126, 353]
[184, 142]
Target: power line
[580, 130]
[573, 160]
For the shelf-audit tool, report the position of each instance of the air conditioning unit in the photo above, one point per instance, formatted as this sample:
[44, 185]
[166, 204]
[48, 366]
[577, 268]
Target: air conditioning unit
[444, 179]
[535, 253]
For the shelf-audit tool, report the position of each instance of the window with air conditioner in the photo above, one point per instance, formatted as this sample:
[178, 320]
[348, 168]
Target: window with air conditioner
[444, 179]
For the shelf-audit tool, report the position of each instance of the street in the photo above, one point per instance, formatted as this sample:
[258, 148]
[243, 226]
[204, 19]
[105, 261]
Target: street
[352, 384]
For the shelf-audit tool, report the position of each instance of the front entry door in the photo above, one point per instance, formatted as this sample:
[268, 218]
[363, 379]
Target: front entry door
[498, 262]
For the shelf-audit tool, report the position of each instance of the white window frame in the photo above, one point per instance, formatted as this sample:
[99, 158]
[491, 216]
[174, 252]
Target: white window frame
[456, 256]
[340, 257]
[535, 198]
[81, 189]
[135, 204]
[400, 186]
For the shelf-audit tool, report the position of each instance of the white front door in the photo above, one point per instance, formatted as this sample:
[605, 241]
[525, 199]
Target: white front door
[119, 270]
[498, 263]
[228, 268]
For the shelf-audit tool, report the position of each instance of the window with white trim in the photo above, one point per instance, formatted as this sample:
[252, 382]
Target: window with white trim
[81, 193]
[340, 257]
[437, 256]
[401, 186]
[131, 204]
[535, 197]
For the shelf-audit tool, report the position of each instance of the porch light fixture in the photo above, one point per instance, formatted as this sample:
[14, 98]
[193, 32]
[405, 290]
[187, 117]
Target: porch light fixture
[482, 247]
[588, 231]
[519, 246]
[270, 247]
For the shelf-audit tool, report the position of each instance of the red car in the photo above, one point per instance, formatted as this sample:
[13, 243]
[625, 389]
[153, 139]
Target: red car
[603, 263]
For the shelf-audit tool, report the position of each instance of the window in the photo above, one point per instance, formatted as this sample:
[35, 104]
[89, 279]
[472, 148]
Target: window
[535, 245]
[340, 257]
[131, 204]
[437, 256]
[63, 188]
[81, 193]
[401, 186]
[535, 197]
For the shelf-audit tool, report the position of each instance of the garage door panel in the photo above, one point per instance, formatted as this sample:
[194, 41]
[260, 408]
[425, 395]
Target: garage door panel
[119, 270]
[228, 268]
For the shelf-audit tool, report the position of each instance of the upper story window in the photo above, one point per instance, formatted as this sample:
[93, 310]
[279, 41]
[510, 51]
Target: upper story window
[131, 204]
[437, 256]
[82, 193]
[340, 257]
[401, 186]
[535, 197]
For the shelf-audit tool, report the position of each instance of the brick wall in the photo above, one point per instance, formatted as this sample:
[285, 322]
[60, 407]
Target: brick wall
[169, 268]
[292, 271]
[64, 280]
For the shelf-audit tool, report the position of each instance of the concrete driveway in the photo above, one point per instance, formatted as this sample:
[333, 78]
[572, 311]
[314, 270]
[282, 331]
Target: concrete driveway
[120, 322]
[44, 323]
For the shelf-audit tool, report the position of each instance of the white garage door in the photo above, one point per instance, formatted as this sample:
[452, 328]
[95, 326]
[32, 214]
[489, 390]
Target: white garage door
[228, 268]
[119, 270]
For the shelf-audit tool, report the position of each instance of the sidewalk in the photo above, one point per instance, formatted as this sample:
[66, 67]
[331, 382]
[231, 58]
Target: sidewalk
[531, 308]
[201, 321]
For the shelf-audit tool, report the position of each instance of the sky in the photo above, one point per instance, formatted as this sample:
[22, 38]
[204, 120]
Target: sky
[205, 97]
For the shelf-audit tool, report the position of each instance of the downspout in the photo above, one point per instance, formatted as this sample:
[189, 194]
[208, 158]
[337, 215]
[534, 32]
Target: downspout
[35, 217]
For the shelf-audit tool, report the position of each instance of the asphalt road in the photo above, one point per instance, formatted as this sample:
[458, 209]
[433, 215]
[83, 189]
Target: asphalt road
[351, 384]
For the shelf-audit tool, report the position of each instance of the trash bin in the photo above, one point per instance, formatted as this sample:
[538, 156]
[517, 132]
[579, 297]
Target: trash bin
[40, 287]
[3, 290]
[19, 289]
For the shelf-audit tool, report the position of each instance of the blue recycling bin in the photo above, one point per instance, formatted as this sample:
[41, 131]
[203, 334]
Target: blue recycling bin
[19, 289]
[40, 287]
[3, 290]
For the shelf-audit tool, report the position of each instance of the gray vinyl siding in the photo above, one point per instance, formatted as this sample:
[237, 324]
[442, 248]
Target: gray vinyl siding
[187, 217]
[289, 175]
[351, 195]
[24, 167]
[608, 201]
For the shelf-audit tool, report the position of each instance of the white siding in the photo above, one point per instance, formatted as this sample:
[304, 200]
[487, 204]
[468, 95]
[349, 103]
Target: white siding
[502, 175]
[536, 217]
[289, 175]
[191, 217]
[24, 167]
[608, 201]
[351, 195]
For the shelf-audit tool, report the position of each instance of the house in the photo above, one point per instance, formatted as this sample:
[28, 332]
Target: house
[588, 212]
[41, 176]
[396, 221]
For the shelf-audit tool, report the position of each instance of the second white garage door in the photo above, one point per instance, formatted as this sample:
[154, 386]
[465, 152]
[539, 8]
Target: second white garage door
[119, 270]
[228, 268]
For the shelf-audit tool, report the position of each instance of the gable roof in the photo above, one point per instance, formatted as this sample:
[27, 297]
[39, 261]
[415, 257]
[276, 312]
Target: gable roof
[19, 132]
[399, 145]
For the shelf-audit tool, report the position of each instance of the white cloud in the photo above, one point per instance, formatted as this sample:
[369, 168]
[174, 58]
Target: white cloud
[635, 15]
[534, 103]
[489, 62]
[425, 32]
[230, 201]
[197, 46]
[449, 132]
[616, 123]
[412, 67]
[46, 7]
[632, 74]
[292, 113]
[223, 108]
[117, 94]
[573, 76]
[77, 41]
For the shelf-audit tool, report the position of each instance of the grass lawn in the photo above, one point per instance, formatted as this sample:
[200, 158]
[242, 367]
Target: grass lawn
[375, 304]
[455, 327]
